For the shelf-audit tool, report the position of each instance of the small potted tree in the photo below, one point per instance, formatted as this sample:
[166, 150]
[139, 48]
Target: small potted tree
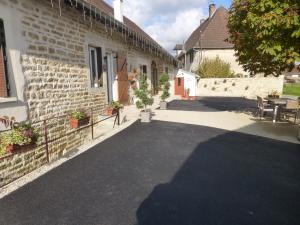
[145, 99]
[78, 119]
[113, 108]
[165, 87]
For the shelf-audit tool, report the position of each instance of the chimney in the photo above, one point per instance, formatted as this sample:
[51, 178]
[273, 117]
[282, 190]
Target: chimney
[212, 9]
[118, 10]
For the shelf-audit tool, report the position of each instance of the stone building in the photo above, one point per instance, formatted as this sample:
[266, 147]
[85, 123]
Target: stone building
[209, 41]
[58, 56]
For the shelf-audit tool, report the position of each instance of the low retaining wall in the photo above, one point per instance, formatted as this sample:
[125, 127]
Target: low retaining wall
[240, 87]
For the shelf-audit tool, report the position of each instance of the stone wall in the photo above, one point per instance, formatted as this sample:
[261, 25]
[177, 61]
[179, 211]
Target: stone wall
[240, 87]
[17, 165]
[55, 67]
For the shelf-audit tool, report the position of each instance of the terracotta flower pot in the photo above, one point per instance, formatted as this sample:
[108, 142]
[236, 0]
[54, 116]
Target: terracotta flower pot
[75, 123]
[110, 111]
[13, 148]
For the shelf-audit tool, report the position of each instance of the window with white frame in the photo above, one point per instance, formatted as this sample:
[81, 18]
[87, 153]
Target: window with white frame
[96, 68]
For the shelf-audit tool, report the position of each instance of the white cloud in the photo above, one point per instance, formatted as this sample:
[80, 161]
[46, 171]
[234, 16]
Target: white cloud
[169, 22]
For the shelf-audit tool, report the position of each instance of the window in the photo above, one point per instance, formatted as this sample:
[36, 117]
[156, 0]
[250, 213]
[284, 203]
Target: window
[4, 85]
[166, 70]
[96, 69]
[191, 56]
[143, 69]
[179, 81]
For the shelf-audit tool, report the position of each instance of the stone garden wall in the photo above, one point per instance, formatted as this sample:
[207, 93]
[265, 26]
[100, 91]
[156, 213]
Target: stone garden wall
[240, 87]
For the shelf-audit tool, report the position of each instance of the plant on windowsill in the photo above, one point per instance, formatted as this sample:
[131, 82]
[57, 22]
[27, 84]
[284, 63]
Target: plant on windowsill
[165, 87]
[20, 137]
[78, 119]
[113, 108]
[145, 99]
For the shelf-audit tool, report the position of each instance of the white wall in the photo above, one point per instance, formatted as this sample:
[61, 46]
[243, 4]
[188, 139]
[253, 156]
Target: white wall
[240, 87]
[15, 45]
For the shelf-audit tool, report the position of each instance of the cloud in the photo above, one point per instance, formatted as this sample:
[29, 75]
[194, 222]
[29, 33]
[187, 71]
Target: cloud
[169, 22]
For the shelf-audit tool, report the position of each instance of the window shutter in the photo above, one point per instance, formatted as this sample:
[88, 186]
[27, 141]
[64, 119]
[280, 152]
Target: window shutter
[3, 88]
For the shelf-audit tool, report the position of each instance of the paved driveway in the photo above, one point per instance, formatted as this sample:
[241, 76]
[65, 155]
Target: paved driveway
[167, 174]
[214, 104]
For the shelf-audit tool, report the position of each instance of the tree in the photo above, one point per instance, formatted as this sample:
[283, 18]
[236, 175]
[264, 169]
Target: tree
[265, 34]
[165, 86]
[216, 68]
[143, 94]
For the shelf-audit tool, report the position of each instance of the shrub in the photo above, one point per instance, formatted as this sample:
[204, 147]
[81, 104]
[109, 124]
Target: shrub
[215, 68]
[116, 105]
[165, 86]
[23, 134]
[78, 115]
[143, 94]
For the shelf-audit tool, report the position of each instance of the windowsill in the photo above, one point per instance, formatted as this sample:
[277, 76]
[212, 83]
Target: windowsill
[7, 100]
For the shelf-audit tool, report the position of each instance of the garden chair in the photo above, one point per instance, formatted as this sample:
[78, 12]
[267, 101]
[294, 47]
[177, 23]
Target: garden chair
[291, 109]
[263, 107]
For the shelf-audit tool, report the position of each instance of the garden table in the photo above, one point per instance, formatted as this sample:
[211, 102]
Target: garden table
[277, 103]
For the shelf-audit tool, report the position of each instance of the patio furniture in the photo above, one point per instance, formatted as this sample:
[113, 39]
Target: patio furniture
[277, 104]
[263, 107]
[291, 109]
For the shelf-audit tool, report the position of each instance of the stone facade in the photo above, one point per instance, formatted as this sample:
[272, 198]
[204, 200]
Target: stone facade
[240, 87]
[52, 53]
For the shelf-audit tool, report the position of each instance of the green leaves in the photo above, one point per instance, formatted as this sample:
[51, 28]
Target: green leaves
[143, 94]
[215, 68]
[265, 34]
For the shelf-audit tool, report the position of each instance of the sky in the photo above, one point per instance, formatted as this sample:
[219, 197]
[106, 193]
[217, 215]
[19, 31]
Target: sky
[169, 22]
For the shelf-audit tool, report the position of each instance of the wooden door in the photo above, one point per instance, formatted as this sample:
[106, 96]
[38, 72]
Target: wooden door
[123, 86]
[179, 86]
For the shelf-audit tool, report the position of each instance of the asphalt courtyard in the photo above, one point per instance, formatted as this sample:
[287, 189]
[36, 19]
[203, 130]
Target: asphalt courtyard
[166, 173]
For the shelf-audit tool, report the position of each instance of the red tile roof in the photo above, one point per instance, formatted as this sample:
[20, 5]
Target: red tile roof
[214, 32]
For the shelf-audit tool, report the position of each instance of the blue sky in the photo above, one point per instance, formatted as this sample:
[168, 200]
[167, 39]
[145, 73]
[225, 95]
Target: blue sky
[169, 22]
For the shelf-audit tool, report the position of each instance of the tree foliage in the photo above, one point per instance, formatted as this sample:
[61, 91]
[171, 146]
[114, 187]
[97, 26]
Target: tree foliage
[165, 86]
[214, 68]
[265, 34]
[143, 94]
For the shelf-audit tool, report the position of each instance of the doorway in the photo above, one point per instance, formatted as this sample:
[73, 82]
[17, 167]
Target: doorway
[110, 61]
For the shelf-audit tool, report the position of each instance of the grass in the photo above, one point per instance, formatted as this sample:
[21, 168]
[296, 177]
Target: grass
[291, 89]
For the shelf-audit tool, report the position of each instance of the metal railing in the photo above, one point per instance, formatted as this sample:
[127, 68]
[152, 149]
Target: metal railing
[44, 125]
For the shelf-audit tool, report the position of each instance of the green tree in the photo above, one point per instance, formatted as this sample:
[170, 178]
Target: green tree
[165, 86]
[143, 94]
[265, 34]
[216, 68]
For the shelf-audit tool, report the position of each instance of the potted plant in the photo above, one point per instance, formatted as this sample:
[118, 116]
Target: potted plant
[78, 119]
[165, 86]
[273, 94]
[145, 99]
[19, 137]
[113, 108]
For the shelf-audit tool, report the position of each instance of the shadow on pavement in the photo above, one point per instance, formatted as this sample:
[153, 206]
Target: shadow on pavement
[227, 181]
[214, 104]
